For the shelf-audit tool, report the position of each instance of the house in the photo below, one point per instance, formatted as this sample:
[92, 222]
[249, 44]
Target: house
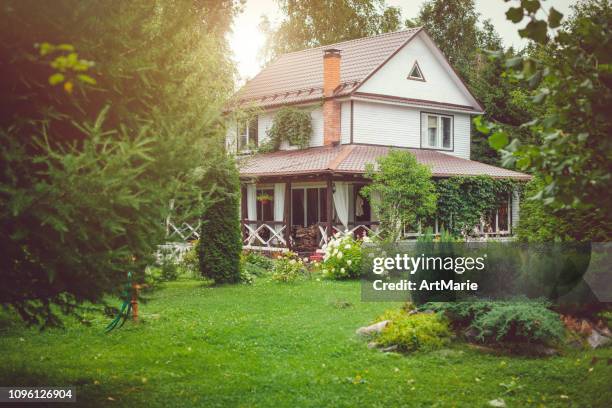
[364, 96]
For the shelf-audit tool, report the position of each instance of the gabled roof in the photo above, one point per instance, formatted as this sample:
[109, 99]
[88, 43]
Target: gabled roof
[297, 77]
[352, 159]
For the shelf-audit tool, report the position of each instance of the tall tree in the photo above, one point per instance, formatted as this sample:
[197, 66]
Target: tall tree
[311, 23]
[108, 109]
[573, 84]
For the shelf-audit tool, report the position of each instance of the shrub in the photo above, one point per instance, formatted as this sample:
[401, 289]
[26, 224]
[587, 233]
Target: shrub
[221, 242]
[190, 261]
[520, 320]
[414, 332]
[342, 258]
[257, 259]
[287, 268]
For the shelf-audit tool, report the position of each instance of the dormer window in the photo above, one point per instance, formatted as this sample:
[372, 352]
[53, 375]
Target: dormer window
[415, 73]
[437, 131]
[247, 134]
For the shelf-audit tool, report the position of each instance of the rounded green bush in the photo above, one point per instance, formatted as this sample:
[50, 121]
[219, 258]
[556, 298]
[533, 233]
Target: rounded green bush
[414, 332]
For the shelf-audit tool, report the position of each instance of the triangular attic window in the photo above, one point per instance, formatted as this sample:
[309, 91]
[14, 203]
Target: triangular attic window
[415, 72]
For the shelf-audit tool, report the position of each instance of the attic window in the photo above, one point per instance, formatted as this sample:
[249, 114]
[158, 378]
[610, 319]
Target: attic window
[415, 72]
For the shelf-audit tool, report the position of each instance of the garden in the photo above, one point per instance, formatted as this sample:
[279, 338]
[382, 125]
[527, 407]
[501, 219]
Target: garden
[112, 132]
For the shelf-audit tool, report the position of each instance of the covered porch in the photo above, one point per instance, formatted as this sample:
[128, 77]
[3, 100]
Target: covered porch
[297, 199]
[302, 212]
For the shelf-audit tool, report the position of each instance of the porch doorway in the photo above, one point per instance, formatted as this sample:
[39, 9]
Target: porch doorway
[308, 210]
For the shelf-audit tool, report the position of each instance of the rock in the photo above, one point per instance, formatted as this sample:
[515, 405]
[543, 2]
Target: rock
[498, 402]
[389, 349]
[372, 344]
[470, 333]
[428, 311]
[597, 340]
[372, 329]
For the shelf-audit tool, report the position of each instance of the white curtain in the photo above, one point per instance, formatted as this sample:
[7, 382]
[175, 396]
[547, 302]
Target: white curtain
[279, 203]
[341, 201]
[251, 202]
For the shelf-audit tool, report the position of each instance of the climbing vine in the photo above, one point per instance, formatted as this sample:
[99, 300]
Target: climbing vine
[463, 200]
[290, 124]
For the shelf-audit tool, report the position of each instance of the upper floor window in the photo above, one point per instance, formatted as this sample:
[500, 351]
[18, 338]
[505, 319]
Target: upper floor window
[415, 72]
[436, 131]
[247, 134]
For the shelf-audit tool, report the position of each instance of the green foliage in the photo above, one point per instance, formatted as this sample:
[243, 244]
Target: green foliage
[519, 320]
[463, 200]
[571, 78]
[296, 332]
[221, 238]
[309, 23]
[292, 125]
[288, 268]
[342, 258]
[414, 332]
[402, 191]
[190, 262]
[258, 259]
[92, 154]
[537, 224]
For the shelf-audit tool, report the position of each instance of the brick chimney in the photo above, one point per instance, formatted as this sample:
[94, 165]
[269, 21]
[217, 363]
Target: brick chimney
[331, 108]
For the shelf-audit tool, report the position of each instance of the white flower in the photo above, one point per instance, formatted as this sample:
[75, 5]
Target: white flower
[342, 271]
[325, 271]
[366, 239]
[347, 246]
[339, 255]
[349, 262]
[292, 262]
[335, 251]
[305, 259]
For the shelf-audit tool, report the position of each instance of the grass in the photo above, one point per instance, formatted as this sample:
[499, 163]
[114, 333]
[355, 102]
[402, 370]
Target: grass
[290, 345]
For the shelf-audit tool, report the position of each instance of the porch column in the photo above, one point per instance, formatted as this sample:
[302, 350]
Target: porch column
[328, 207]
[243, 203]
[287, 213]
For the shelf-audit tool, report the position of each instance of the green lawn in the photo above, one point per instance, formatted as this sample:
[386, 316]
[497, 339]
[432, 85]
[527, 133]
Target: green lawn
[278, 345]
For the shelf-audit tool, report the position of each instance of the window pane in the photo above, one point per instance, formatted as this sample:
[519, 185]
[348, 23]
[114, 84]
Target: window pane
[432, 131]
[312, 207]
[502, 216]
[268, 206]
[297, 207]
[323, 205]
[446, 133]
[242, 136]
[253, 139]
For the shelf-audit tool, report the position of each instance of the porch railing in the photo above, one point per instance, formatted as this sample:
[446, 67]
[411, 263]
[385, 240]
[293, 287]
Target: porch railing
[264, 235]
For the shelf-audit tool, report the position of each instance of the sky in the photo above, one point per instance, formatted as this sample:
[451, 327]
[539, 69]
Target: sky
[246, 40]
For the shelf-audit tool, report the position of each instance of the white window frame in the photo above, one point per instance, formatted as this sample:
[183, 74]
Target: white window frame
[247, 133]
[439, 136]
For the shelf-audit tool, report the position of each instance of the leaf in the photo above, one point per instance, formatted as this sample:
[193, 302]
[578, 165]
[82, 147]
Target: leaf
[535, 30]
[530, 5]
[56, 78]
[480, 126]
[498, 140]
[86, 79]
[514, 61]
[68, 86]
[554, 18]
[515, 14]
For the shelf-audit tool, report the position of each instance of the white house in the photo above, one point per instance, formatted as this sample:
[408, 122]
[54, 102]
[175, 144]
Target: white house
[365, 96]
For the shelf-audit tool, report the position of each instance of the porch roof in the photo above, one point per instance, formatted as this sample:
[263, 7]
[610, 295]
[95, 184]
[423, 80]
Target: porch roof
[352, 159]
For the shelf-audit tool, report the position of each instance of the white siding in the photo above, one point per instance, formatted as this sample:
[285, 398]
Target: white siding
[345, 123]
[395, 125]
[441, 83]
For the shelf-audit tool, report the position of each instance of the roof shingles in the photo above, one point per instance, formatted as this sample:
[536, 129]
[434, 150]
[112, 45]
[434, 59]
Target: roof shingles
[352, 159]
[291, 76]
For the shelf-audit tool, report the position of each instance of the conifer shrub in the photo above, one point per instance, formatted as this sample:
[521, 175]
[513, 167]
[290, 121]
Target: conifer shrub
[221, 241]
[414, 332]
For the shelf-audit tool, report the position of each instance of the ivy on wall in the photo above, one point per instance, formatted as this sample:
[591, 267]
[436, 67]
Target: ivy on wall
[463, 200]
[292, 125]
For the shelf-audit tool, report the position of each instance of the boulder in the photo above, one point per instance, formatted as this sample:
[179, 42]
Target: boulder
[373, 329]
[596, 339]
